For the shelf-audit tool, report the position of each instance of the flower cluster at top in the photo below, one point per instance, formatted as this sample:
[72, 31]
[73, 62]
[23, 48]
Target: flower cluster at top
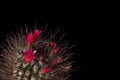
[32, 38]
[30, 54]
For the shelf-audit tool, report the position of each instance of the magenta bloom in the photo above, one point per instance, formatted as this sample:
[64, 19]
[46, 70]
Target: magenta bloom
[47, 70]
[57, 50]
[31, 38]
[58, 60]
[36, 35]
[53, 45]
[29, 56]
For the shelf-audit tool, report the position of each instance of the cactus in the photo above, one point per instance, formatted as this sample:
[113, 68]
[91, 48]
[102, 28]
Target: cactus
[35, 55]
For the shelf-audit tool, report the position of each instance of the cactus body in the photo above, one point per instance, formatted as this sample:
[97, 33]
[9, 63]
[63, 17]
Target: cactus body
[32, 55]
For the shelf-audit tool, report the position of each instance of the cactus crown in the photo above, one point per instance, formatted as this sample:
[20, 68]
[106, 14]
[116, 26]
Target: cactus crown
[34, 56]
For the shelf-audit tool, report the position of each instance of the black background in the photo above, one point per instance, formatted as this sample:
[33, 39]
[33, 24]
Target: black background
[80, 26]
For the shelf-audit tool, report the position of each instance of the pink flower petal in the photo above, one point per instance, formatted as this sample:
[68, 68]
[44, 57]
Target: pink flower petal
[53, 45]
[29, 56]
[29, 39]
[58, 60]
[57, 50]
[47, 70]
[32, 38]
[36, 35]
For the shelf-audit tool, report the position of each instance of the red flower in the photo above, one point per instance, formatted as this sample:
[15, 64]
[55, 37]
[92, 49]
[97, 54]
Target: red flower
[36, 35]
[58, 60]
[31, 38]
[57, 50]
[53, 45]
[29, 56]
[47, 70]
